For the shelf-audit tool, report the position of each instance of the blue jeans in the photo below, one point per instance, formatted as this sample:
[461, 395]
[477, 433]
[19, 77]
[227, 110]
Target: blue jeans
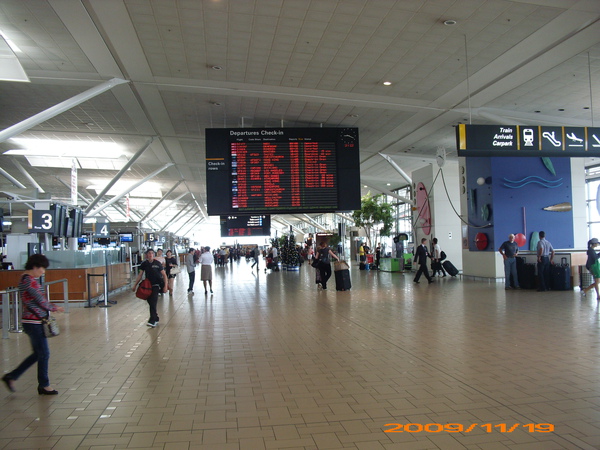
[41, 355]
[510, 269]
[152, 302]
[192, 276]
[544, 273]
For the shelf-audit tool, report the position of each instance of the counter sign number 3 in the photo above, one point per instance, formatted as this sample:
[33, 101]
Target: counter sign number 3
[102, 229]
[40, 221]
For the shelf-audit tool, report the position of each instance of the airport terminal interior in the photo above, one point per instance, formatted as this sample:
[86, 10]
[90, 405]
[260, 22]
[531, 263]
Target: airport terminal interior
[108, 112]
[270, 362]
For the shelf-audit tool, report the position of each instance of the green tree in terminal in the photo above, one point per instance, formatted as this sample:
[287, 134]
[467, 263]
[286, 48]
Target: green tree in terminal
[374, 212]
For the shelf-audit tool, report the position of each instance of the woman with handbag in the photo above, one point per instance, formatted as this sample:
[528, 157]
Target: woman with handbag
[170, 263]
[36, 308]
[593, 265]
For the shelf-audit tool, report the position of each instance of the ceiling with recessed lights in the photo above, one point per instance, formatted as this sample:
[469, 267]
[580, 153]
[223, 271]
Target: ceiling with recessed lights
[399, 70]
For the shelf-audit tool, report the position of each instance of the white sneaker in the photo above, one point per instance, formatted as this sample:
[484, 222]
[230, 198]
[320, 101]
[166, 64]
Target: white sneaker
[150, 324]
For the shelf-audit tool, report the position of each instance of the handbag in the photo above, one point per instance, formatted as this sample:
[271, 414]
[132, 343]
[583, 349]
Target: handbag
[144, 289]
[175, 270]
[595, 269]
[315, 263]
[50, 326]
[340, 265]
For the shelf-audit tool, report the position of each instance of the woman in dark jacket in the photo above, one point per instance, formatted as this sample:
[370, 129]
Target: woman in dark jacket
[592, 258]
[323, 256]
[35, 308]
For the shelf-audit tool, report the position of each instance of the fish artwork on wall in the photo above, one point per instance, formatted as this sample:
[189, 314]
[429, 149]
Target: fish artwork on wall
[559, 207]
[548, 163]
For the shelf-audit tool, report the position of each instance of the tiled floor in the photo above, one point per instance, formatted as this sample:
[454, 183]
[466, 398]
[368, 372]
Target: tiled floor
[269, 362]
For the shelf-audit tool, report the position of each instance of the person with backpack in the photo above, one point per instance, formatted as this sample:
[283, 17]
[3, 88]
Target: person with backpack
[155, 272]
[438, 257]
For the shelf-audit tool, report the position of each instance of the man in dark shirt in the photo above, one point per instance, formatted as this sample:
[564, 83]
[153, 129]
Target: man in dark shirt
[421, 255]
[509, 251]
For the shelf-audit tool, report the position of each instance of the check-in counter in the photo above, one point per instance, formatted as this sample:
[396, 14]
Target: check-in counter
[94, 262]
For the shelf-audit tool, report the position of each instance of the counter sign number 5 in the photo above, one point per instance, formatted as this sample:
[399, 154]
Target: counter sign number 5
[102, 229]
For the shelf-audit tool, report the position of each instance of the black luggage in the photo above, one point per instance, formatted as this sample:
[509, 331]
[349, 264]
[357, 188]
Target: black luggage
[452, 271]
[342, 280]
[362, 266]
[526, 274]
[560, 276]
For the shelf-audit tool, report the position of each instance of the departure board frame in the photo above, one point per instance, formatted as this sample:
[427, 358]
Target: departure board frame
[282, 170]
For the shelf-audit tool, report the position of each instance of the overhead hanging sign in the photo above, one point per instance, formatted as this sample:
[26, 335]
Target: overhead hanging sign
[523, 140]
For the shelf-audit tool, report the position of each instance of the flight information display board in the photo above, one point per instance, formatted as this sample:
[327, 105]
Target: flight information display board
[282, 170]
[245, 225]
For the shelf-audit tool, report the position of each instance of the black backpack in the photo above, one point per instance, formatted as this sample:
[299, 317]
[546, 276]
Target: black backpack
[442, 255]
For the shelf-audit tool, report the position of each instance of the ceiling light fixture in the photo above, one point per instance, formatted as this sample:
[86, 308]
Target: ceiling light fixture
[10, 69]
[66, 149]
[387, 83]
[216, 67]
[450, 22]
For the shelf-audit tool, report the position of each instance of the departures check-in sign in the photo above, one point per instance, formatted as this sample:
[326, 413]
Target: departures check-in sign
[522, 140]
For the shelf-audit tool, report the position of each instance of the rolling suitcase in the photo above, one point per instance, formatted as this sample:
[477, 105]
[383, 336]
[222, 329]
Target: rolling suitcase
[449, 267]
[585, 278]
[560, 276]
[342, 280]
[526, 274]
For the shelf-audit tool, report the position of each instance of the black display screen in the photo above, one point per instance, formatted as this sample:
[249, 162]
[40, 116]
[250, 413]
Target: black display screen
[245, 225]
[282, 170]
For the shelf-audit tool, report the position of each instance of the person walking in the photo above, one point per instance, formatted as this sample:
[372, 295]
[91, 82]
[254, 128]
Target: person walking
[593, 267]
[323, 256]
[421, 256]
[170, 262]
[256, 256]
[545, 255]
[36, 307]
[436, 261]
[190, 266]
[509, 251]
[206, 261]
[159, 256]
[155, 272]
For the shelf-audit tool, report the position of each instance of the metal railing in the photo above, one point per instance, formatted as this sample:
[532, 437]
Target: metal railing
[11, 303]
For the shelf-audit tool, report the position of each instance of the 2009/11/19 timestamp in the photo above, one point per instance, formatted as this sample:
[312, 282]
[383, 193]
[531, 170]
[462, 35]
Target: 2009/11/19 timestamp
[460, 428]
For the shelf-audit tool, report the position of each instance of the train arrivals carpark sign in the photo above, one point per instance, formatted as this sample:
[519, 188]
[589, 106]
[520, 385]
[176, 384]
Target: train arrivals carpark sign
[522, 140]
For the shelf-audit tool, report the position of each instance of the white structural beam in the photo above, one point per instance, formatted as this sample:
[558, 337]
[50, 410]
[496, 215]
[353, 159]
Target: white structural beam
[392, 194]
[58, 109]
[123, 170]
[12, 179]
[27, 175]
[393, 163]
[127, 191]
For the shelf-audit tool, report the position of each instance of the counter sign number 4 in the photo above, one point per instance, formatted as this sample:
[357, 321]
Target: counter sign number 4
[102, 229]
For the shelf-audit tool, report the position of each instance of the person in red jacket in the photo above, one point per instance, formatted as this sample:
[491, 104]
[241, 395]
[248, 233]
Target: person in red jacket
[35, 308]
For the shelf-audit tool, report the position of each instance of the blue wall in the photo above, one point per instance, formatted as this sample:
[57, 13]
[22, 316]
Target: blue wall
[506, 204]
